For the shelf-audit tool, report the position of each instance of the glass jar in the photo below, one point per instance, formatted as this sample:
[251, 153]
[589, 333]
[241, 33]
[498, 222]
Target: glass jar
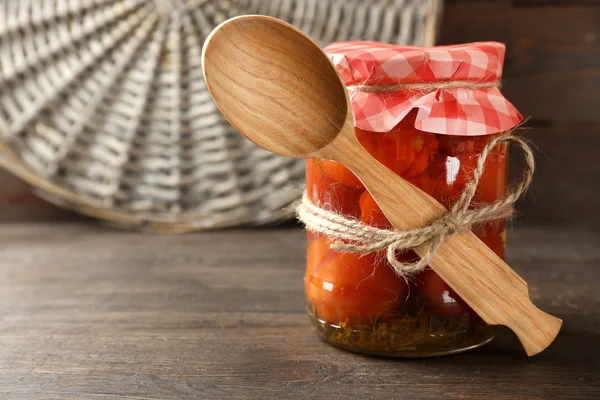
[357, 301]
[425, 113]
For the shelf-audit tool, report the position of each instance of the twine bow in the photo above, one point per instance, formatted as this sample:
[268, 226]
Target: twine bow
[353, 236]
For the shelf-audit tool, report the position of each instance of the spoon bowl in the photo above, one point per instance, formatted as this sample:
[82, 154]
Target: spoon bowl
[303, 103]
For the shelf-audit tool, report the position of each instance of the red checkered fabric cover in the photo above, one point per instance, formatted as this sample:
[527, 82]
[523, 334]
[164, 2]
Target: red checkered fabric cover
[453, 111]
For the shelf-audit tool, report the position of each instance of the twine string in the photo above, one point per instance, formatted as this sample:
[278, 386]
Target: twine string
[424, 86]
[353, 236]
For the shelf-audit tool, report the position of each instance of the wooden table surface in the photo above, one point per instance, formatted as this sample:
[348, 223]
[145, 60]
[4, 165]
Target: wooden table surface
[91, 313]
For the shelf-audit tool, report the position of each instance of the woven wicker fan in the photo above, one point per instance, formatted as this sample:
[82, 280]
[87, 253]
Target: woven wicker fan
[104, 110]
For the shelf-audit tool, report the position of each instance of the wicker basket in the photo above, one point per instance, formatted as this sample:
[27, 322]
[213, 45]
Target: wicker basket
[103, 108]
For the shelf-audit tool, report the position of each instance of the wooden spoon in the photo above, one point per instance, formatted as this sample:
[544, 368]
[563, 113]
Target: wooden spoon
[278, 88]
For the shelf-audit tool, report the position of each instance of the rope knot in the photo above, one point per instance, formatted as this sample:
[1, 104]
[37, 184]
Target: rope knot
[451, 224]
[350, 235]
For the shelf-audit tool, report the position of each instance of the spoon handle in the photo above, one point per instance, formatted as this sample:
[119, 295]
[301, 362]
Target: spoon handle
[481, 278]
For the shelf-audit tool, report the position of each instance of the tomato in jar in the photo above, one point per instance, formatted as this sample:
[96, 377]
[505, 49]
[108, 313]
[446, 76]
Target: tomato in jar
[330, 194]
[354, 289]
[363, 291]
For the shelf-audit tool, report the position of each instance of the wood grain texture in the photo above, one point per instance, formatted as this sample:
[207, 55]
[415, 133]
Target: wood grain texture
[553, 52]
[551, 73]
[18, 203]
[565, 189]
[274, 84]
[89, 313]
[554, 2]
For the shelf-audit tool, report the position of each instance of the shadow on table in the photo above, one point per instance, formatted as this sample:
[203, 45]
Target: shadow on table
[571, 347]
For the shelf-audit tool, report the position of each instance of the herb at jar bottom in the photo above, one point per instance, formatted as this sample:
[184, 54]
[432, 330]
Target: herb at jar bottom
[403, 334]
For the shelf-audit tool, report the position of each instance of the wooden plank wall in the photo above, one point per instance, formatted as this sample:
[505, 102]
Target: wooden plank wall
[18, 203]
[552, 73]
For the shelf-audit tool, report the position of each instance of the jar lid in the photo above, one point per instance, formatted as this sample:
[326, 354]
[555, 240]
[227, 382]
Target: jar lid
[455, 88]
